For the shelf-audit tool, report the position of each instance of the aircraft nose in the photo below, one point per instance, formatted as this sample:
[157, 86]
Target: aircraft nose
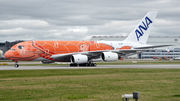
[8, 54]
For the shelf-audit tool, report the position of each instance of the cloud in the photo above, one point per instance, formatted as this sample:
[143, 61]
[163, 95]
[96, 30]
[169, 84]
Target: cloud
[25, 23]
[80, 19]
[73, 33]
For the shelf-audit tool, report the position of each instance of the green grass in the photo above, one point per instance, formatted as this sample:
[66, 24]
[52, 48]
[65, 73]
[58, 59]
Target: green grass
[89, 84]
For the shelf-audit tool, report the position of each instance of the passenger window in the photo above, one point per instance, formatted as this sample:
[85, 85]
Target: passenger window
[12, 49]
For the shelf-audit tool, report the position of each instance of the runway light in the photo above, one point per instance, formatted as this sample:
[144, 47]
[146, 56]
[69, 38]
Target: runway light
[135, 95]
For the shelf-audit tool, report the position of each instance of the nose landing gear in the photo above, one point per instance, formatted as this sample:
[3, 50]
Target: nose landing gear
[16, 64]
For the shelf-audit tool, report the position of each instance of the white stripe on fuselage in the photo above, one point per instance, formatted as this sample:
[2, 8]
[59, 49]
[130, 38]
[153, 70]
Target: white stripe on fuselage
[120, 44]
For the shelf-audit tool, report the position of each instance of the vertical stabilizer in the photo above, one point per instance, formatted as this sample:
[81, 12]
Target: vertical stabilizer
[141, 32]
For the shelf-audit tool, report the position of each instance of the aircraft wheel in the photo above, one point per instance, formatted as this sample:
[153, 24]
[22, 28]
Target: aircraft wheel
[81, 65]
[92, 64]
[16, 65]
[73, 65]
[84, 64]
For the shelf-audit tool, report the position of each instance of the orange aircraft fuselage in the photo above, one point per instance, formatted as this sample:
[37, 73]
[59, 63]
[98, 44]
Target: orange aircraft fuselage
[32, 50]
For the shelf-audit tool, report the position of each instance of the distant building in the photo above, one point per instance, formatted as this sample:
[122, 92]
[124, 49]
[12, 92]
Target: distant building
[8, 45]
[2, 47]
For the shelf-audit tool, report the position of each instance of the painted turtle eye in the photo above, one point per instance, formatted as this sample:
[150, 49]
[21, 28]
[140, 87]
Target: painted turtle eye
[20, 47]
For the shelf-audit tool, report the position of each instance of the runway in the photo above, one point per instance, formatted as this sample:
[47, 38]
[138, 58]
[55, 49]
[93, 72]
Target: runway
[172, 66]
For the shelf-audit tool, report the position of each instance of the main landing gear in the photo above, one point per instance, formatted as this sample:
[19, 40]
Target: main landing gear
[84, 64]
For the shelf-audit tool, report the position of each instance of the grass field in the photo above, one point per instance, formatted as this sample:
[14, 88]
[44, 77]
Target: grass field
[89, 84]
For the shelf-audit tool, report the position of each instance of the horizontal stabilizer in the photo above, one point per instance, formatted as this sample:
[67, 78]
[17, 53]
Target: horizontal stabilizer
[155, 46]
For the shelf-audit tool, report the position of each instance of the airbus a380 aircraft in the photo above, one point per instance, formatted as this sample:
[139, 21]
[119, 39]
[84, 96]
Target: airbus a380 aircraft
[84, 53]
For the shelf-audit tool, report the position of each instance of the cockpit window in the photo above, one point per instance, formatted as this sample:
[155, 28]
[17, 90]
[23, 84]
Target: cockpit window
[20, 47]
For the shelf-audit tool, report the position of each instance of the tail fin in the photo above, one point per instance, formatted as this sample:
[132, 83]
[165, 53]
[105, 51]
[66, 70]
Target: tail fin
[141, 32]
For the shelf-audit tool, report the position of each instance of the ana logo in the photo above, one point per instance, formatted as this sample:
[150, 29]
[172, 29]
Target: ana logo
[140, 32]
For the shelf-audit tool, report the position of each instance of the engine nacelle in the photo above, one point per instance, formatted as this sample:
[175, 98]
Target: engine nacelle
[47, 61]
[79, 59]
[109, 56]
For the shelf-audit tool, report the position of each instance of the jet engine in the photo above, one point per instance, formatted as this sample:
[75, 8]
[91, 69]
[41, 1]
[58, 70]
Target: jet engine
[109, 56]
[78, 59]
[47, 61]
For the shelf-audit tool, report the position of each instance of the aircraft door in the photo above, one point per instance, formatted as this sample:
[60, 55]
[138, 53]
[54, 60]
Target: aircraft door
[25, 48]
[84, 48]
[22, 50]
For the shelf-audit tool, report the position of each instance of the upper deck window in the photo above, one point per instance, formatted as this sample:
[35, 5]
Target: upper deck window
[12, 49]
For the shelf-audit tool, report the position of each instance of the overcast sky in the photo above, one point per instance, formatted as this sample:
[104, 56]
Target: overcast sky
[80, 19]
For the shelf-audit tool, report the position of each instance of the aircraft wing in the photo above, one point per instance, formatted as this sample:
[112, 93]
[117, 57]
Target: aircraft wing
[95, 54]
[66, 57]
